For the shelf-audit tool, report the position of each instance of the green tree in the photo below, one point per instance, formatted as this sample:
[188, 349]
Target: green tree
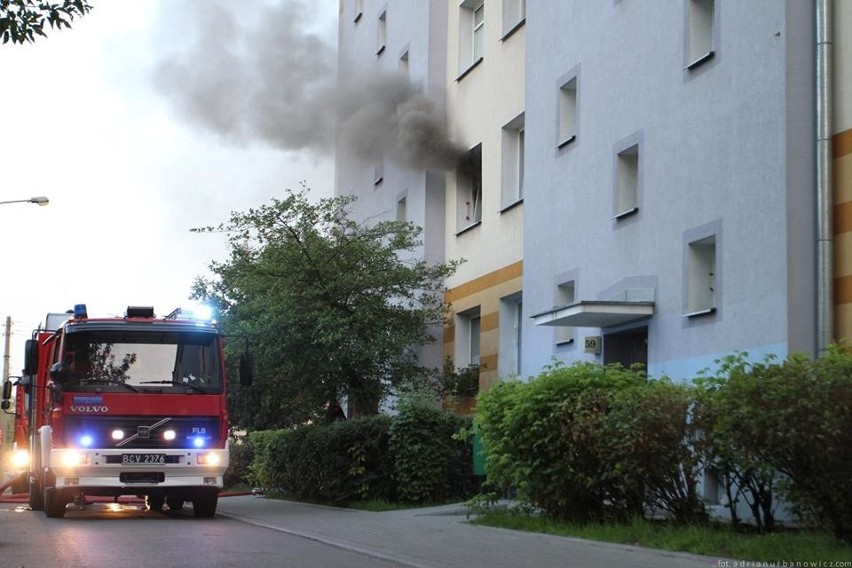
[22, 20]
[331, 307]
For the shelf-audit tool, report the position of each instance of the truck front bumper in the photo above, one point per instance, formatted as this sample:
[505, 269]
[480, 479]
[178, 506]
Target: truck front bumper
[136, 471]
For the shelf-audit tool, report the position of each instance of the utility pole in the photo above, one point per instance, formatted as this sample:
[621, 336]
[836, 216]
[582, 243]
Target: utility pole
[6, 348]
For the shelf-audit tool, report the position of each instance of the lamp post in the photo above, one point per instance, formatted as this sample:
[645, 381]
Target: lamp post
[40, 201]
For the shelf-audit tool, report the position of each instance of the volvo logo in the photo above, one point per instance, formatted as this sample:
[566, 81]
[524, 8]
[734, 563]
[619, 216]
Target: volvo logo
[90, 408]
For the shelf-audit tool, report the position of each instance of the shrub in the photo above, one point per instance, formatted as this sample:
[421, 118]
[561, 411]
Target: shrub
[241, 457]
[544, 438]
[337, 463]
[794, 419]
[734, 409]
[813, 447]
[654, 449]
[429, 464]
[258, 473]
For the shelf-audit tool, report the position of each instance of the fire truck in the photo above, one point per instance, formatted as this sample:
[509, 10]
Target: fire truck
[132, 405]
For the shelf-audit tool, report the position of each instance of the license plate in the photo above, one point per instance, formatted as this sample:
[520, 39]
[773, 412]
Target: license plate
[143, 459]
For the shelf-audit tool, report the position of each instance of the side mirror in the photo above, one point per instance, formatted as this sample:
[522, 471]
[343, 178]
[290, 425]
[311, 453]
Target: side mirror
[6, 404]
[30, 357]
[61, 373]
[246, 368]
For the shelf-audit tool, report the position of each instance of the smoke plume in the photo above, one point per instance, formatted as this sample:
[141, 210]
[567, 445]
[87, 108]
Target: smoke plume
[262, 77]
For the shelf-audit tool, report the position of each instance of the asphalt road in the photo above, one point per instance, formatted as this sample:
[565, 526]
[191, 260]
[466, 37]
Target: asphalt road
[127, 536]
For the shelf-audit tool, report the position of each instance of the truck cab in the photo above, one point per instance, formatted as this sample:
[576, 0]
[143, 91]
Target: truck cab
[128, 405]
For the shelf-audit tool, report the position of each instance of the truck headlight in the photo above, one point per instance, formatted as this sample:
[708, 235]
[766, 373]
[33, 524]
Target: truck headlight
[73, 458]
[20, 459]
[209, 459]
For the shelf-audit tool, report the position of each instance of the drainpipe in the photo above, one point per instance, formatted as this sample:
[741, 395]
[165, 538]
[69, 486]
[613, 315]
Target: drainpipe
[824, 176]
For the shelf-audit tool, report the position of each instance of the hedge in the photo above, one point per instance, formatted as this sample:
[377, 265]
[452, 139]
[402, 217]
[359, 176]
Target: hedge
[410, 457]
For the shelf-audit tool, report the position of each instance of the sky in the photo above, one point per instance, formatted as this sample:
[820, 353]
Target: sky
[146, 119]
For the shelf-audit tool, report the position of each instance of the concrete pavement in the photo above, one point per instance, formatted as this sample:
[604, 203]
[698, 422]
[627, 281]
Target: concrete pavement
[440, 537]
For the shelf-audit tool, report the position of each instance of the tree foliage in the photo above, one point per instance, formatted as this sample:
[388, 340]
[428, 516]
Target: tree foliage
[331, 307]
[22, 20]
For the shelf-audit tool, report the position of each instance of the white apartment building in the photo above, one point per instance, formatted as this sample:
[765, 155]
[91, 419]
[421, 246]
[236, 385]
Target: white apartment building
[639, 182]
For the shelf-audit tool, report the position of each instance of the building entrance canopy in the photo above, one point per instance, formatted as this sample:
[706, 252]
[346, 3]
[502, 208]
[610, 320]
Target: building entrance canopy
[593, 313]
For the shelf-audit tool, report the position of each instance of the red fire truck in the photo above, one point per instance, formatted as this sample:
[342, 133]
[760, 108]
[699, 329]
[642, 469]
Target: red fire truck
[132, 405]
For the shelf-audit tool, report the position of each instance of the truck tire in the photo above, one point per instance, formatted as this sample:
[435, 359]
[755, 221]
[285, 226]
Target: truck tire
[36, 496]
[175, 502]
[204, 504]
[156, 502]
[55, 501]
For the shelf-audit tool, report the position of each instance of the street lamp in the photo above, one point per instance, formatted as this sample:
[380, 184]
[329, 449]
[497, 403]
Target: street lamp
[40, 201]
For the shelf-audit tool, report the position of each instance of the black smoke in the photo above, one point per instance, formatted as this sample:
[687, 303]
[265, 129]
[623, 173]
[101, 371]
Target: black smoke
[262, 76]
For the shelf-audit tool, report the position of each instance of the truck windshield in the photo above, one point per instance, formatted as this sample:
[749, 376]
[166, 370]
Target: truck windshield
[144, 359]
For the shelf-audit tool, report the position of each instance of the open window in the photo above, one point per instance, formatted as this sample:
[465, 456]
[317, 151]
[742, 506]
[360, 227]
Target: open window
[469, 189]
[513, 162]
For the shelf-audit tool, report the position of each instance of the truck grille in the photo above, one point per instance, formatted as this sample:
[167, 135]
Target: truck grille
[141, 432]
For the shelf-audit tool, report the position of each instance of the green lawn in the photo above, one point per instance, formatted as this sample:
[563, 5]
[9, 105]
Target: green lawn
[719, 541]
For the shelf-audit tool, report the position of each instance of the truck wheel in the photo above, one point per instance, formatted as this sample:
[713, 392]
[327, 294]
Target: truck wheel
[55, 501]
[204, 504]
[175, 503]
[36, 496]
[155, 502]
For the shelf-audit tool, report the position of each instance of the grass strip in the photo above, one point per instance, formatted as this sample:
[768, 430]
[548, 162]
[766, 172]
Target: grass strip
[717, 540]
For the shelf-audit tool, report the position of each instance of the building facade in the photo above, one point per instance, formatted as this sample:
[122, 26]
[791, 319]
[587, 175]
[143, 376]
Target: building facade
[484, 209]
[635, 182]
[670, 205]
[392, 52]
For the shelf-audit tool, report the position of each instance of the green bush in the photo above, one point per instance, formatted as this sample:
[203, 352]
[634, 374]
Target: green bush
[733, 406]
[240, 459]
[654, 449]
[413, 457]
[259, 474]
[545, 439]
[430, 465]
[337, 463]
[791, 420]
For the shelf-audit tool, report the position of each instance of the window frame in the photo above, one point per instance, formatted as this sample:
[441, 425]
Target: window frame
[627, 177]
[513, 152]
[514, 17]
[701, 26]
[567, 109]
[469, 193]
[382, 32]
[468, 58]
[692, 308]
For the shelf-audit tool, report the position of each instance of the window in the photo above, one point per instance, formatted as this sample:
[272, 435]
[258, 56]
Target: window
[701, 277]
[700, 31]
[510, 335]
[627, 181]
[359, 10]
[567, 113]
[378, 173]
[401, 209]
[403, 62]
[471, 33]
[478, 31]
[565, 296]
[469, 189]
[513, 162]
[468, 338]
[712, 480]
[382, 33]
[514, 15]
